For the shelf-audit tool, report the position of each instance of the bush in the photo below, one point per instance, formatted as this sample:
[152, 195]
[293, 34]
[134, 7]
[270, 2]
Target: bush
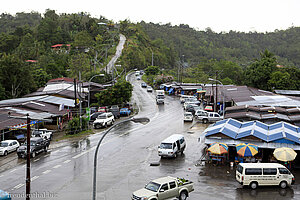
[74, 125]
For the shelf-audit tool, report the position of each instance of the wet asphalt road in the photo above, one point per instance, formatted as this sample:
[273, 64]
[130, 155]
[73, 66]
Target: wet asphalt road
[124, 161]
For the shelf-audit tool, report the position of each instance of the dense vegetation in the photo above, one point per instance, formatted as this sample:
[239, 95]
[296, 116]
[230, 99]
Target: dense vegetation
[232, 57]
[28, 60]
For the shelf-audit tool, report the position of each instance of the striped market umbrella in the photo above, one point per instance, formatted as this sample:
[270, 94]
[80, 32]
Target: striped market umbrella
[246, 149]
[285, 154]
[218, 148]
[208, 108]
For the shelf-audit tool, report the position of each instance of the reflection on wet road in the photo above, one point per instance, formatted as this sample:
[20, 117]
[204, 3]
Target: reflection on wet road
[124, 161]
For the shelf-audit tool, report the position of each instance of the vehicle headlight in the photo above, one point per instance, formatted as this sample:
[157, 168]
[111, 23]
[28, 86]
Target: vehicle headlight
[144, 198]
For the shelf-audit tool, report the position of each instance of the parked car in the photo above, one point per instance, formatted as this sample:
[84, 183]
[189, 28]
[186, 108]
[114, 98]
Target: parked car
[93, 109]
[138, 78]
[199, 114]
[149, 89]
[102, 109]
[37, 145]
[94, 116]
[115, 111]
[165, 188]
[192, 108]
[184, 97]
[188, 117]
[104, 120]
[8, 146]
[125, 111]
[211, 117]
[43, 133]
[143, 85]
[129, 106]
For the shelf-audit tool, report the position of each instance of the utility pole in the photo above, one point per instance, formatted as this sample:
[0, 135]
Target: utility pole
[28, 160]
[216, 102]
[75, 96]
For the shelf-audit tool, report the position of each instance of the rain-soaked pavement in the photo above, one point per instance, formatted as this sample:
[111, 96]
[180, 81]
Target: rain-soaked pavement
[124, 162]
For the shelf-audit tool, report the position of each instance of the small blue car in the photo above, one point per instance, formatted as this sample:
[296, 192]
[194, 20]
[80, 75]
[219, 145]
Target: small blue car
[125, 111]
[4, 195]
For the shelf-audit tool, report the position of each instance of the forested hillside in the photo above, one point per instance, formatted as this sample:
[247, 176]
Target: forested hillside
[238, 47]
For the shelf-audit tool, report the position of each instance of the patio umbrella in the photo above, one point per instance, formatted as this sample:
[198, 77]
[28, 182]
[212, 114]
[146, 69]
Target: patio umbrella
[218, 148]
[208, 108]
[246, 149]
[284, 154]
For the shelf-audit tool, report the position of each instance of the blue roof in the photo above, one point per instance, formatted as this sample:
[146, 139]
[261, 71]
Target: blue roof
[277, 132]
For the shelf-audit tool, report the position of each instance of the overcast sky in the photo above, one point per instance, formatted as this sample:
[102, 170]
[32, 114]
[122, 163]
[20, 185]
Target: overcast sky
[219, 15]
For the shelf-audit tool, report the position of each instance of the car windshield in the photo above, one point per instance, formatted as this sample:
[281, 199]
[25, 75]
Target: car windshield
[187, 114]
[166, 145]
[32, 143]
[3, 144]
[160, 97]
[152, 186]
[102, 117]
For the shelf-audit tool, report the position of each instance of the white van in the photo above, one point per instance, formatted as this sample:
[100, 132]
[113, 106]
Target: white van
[137, 73]
[184, 97]
[171, 146]
[259, 174]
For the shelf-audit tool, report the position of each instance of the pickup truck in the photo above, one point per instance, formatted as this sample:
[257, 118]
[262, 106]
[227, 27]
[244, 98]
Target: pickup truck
[37, 145]
[43, 133]
[209, 117]
[164, 188]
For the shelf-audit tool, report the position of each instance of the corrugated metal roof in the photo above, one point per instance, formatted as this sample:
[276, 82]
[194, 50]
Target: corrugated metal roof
[259, 130]
[43, 98]
[287, 92]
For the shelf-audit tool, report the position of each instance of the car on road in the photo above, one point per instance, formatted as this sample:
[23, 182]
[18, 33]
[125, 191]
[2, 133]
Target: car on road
[165, 188]
[125, 111]
[172, 146]
[104, 120]
[211, 117]
[188, 117]
[149, 89]
[184, 97]
[138, 78]
[37, 145]
[94, 116]
[43, 133]
[8, 146]
[199, 114]
[143, 85]
[102, 109]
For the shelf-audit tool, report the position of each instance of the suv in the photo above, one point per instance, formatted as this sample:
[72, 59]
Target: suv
[43, 133]
[104, 119]
[8, 146]
[37, 145]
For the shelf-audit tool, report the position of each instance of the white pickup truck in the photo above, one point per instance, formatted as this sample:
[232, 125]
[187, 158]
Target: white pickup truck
[165, 188]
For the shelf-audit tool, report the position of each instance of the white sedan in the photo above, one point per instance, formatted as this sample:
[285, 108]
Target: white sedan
[8, 146]
[188, 117]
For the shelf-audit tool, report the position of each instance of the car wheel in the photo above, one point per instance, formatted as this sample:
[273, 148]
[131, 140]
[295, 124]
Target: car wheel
[183, 195]
[253, 185]
[283, 184]
[33, 154]
[175, 155]
[46, 149]
[5, 153]
[97, 126]
[112, 122]
[205, 121]
[105, 125]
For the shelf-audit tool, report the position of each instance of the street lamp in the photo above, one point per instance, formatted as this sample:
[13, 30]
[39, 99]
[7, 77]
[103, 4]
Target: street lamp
[142, 120]
[211, 79]
[102, 75]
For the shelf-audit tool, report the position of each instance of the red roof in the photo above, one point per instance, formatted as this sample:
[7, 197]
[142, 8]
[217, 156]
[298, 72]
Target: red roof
[32, 61]
[60, 45]
[62, 79]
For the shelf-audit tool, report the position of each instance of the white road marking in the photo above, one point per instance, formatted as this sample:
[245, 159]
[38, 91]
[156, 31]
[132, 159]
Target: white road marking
[57, 166]
[12, 170]
[36, 159]
[45, 156]
[47, 171]
[34, 178]
[84, 152]
[67, 161]
[19, 186]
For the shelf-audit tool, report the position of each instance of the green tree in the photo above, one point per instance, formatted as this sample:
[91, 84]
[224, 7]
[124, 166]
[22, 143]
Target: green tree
[120, 93]
[259, 73]
[16, 77]
[152, 70]
[281, 81]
